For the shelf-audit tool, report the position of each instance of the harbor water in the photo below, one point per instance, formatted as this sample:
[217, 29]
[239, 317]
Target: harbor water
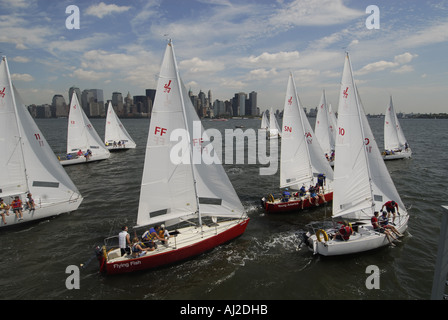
[265, 263]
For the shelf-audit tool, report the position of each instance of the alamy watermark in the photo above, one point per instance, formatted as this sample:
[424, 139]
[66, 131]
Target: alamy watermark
[373, 21]
[73, 20]
[72, 281]
[373, 280]
[207, 147]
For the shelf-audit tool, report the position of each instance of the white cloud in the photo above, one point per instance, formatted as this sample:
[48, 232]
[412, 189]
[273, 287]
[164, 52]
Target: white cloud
[21, 59]
[262, 73]
[22, 77]
[278, 59]
[91, 75]
[404, 69]
[405, 58]
[383, 65]
[197, 65]
[314, 13]
[100, 10]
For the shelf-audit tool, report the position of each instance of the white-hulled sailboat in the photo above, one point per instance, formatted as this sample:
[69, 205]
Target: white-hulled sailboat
[82, 137]
[325, 129]
[395, 144]
[116, 137]
[27, 162]
[362, 183]
[178, 188]
[302, 161]
[274, 131]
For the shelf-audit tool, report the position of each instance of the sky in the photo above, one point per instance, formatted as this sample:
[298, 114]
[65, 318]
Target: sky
[229, 46]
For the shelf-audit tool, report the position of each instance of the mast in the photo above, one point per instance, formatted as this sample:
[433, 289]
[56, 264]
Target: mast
[17, 121]
[170, 43]
[310, 167]
[362, 132]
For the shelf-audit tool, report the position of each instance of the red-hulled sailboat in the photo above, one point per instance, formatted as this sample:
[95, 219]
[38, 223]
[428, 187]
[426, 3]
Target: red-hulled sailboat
[193, 198]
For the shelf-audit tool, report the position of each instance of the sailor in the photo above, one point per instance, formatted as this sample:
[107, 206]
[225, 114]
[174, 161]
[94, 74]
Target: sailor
[124, 240]
[149, 237]
[16, 205]
[343, 233]
[321, 179]
[286, 196]
[390, 208]
[137, 249]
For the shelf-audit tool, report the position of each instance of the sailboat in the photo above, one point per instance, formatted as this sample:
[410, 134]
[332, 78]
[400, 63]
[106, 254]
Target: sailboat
[274, 131]
[27, 162]
[395, 144]
[302, 161]
[195, 200]
[362, 183]
[116, 136]
[264, 121]
[82, 137]
[325, 129]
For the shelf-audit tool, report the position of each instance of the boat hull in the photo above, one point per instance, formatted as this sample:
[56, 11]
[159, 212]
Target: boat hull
[294, 204]
[81, 160]
[364, 239]
[397, 155]
[113, 149]
[190, 242]
[42, 211]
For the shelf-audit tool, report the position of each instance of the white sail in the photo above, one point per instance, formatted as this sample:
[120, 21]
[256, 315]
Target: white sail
[301, 158]
[175, 183]
[115, 131]
[325, 128]
[28, 163]
[394, 138]
[81, 135]
[362, 183]
[274, 129]
[333, 120]
[264, 121]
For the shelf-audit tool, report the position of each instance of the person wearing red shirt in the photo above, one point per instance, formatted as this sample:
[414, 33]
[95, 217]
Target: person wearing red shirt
[390, 208]
[16, 205]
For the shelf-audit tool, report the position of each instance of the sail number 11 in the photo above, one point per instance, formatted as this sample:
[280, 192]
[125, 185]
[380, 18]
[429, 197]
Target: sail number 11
[37, 136]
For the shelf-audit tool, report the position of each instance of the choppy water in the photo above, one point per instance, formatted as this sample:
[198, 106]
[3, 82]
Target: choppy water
[264, 263]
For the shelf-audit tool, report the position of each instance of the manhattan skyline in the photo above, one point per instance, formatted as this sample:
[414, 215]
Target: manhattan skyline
[231, 46]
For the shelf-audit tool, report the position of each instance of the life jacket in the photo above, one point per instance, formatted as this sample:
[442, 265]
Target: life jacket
[16, 204]
[148, 235]
[134, 247]
[345, 232]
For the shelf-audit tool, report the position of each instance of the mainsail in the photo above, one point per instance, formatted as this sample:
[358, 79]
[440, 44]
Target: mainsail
[302, 158]
[361, 180]
[324, 128]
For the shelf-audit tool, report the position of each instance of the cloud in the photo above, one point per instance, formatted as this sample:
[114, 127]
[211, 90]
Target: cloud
[272, 59]
[22, 77]
[17, 4]
[100, 10]
[405, 58]
[314, 13]
[197, 65]
[90, 75]
[404, 69]
[262, 73]
[21, 59]
[383, 65]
